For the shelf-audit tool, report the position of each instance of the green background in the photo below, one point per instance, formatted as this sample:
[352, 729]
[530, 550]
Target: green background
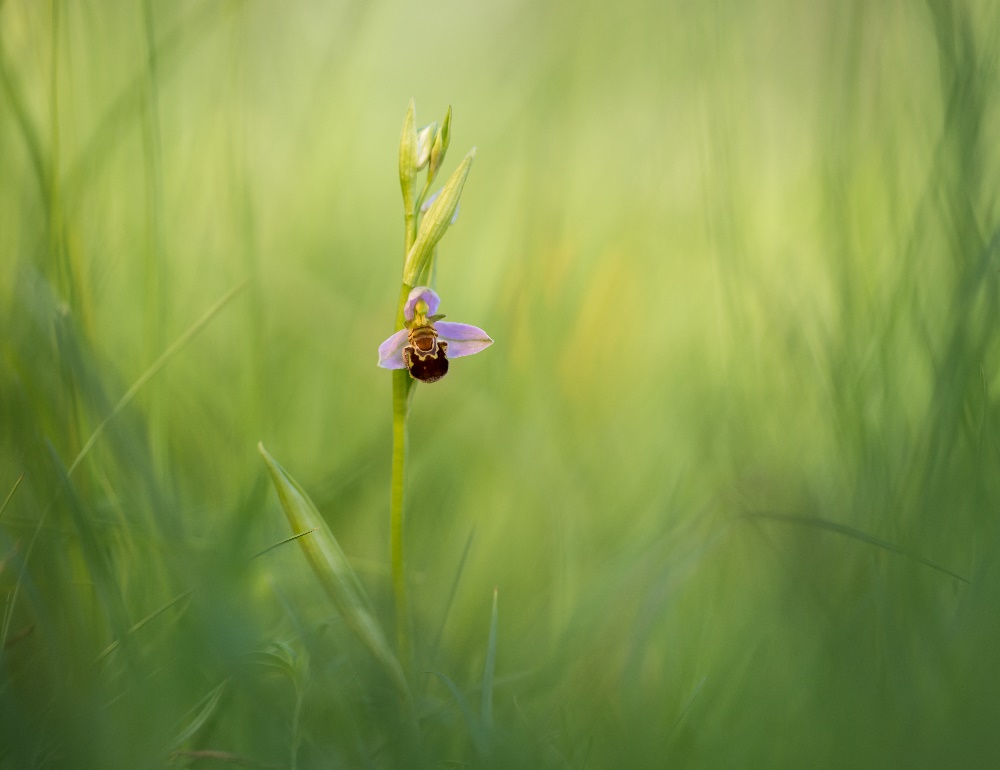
[732, 463]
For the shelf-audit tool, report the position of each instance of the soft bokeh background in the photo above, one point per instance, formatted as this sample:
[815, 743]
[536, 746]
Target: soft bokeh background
[733, 463]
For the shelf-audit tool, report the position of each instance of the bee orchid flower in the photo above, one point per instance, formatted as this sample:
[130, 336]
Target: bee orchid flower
[424, 345]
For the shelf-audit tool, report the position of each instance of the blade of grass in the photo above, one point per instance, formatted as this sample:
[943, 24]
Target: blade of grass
[100, 571]
[28, 129]
[154, 368]
[472, 723]
[282, 542]
[856, 534]
[224, 756]
[451, 595]
[151, 616]
[211, 702]
[170, 52]
[145, 377]
[10, 494]
[154, 264]
[486, 710]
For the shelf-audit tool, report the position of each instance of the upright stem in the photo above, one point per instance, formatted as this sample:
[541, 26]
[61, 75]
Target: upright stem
[402, 390]
[400, 409]
[401, 386]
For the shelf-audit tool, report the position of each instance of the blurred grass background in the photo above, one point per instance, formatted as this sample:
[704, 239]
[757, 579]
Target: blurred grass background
[733, 463]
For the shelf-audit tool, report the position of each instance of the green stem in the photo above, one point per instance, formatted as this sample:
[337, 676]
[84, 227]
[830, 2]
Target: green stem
[402, 391]
[411, 236]
[418, 204]
[402, 384]
[400, 409]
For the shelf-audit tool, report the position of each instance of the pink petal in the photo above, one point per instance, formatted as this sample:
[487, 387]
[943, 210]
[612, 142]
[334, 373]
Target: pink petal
[462, 339]
[421, 293]
[390, 352]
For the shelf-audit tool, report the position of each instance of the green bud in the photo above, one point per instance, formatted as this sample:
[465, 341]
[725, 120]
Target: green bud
[436, 221]
[425, 138]
[441, 141]
[437, 155]
[408, 153]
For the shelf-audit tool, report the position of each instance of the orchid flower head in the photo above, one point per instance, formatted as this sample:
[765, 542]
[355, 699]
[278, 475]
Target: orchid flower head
[426, 343]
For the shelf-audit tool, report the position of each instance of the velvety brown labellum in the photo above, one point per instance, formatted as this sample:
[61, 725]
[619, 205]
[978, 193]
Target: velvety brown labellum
[428, 366]
[425, 357]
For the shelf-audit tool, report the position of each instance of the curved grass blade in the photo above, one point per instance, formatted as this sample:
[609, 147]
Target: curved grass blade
[211, 701]
[151, 616]
[281, 543]
[225, 756]
[330, 565]
[856, 534]
[155, 367]
[10, 494]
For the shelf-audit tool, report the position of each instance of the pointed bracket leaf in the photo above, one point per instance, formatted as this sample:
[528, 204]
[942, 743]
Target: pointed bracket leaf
[436, 221]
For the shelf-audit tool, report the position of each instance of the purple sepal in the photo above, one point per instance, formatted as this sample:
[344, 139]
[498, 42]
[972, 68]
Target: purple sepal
[462, 339]
[390, 352]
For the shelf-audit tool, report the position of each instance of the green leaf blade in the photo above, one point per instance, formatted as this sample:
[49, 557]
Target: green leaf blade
[334, 571]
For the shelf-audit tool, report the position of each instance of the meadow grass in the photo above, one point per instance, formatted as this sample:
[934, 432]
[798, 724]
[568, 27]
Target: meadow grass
[725, 492]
